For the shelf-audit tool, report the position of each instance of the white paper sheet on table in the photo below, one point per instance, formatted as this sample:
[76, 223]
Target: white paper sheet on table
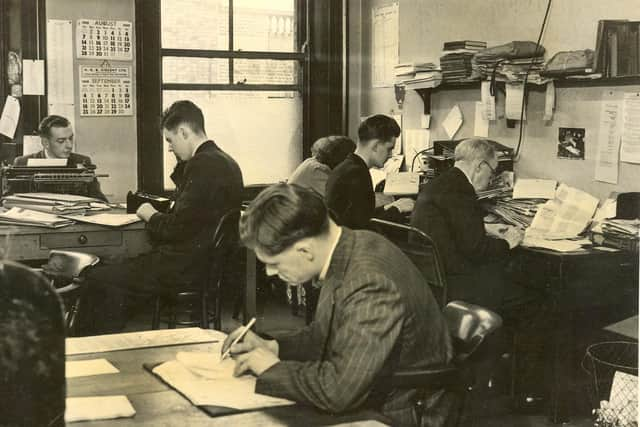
[534, 189]
[97, 408]
[563, 245]
[204, 380]
[107, 219]
[402, 183]
[85, 368]
[453, 121]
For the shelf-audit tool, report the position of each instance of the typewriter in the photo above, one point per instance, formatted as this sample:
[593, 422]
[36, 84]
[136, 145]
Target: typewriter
[48, 179]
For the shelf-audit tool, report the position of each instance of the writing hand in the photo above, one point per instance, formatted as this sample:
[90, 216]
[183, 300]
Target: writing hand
[256, 361]
[251, 341]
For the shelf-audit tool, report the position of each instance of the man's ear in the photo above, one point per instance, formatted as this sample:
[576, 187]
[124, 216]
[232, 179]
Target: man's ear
[304, 247]
[44, 142]
[183, 131]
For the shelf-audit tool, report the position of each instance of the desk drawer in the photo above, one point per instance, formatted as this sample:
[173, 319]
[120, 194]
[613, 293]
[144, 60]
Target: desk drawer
[81, 239]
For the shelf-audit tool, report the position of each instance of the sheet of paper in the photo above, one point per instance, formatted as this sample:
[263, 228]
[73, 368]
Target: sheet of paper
[10, 116]
[480, 124]
[46, 162]
[108, 219]
[630, 148]
[453, 121]
[513, 101]
[488, 101]
[425, 121]
[608, 141]
[33, 77]
[59, 62]
[113, 342]
[415, 140]
[562, 245]
[98, 408]
[549, 101]
[534, 189]
[384, 38]
[623, 398]
[85, 368]
[31, 144]
[402, 183]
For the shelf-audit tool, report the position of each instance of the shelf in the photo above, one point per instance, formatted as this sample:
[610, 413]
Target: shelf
[610, 81]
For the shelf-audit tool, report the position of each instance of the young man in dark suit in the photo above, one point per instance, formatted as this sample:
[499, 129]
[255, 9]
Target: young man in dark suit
[375, 313]
[349, 193]
[56, 136]
[208, 184]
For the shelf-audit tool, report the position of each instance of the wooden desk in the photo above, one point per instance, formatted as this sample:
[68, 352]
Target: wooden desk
[25, 243]
[158, 405]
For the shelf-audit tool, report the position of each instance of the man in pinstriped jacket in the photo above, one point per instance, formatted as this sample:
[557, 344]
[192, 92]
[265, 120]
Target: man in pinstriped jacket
[375, 314]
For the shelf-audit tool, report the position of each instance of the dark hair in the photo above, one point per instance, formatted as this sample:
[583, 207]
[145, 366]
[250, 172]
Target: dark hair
[32, 354]
[183, 112]
[332, 150]
[378, 127]
[44, 128]
[281, 215]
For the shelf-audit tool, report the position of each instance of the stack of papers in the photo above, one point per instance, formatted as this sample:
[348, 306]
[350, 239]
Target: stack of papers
[20, 216]
[516, 212]
[108, 219]
[97, 408]
[63, 204]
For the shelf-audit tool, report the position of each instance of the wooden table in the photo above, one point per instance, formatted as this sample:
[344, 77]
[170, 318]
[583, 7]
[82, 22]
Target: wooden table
[158, 405]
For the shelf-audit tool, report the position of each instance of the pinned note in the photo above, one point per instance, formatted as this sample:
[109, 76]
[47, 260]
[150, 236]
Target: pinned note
[10, 116]
[549, 101]
[33, 77]
[453, 121]
[513, 101]
[480, 124]
[488, 101]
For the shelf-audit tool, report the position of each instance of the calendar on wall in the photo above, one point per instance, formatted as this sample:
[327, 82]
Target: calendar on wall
[105, 91]
[104, 39]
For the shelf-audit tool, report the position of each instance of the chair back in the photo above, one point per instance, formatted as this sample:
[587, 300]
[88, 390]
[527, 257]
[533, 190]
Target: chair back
[224, 244]
[469, 325]
[68, 264]
[420, 249]
[32, 358]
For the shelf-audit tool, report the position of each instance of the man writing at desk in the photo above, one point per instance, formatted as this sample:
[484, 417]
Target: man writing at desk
[375, 313]
[56, 136]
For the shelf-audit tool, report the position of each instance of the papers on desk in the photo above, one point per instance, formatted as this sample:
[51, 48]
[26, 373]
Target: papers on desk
[59, 197]
[86, 368]
[108, 219]
[562, 245]
[98, 408]
[534, 189]
[402, 183]
[20, 216]
[206, 381]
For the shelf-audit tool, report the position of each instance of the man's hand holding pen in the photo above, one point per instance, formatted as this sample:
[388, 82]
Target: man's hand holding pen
[252, 354]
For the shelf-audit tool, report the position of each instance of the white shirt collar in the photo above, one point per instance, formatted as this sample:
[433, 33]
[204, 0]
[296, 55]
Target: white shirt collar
[327, 263]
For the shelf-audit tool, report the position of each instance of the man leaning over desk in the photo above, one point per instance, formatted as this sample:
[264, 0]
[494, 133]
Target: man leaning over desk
[56, 136]
[375, 314]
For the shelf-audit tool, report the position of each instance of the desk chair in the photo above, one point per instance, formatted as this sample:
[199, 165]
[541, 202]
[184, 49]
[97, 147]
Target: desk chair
[32, 359]
[65, 270]
[469, 325]
[421, 249]
[196, 300]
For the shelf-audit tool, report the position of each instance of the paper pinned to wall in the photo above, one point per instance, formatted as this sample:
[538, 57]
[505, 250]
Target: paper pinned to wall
[549, 101]
[630, 149]
[415, 140]
[65, 110]
[59, 62]
[607, 163]
[32, 77]
[480, 124]
[488, 101]
[513, 101]
[384, 41]
[453, 121]
[31, 144]
[10, 116]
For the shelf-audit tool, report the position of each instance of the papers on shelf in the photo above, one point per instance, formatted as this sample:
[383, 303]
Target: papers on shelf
[20, 216]
[402, 183]
[98, 408]
[113, 342]
[108, 219]
[534, 189]
[85, 368]
[204, 380]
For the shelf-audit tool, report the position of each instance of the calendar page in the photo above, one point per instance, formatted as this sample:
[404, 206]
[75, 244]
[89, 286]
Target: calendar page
[105, 91]
[104, 39]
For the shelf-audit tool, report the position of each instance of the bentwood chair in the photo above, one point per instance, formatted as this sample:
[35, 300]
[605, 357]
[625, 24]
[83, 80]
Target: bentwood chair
[199, 304]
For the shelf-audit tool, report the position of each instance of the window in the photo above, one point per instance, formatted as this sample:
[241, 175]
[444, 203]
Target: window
[241, 62]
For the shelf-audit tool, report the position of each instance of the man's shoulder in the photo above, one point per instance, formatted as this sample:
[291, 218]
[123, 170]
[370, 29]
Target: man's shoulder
[22, 160]
[80, 159]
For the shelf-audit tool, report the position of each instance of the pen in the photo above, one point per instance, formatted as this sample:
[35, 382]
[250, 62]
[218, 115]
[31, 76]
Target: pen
[238, 338]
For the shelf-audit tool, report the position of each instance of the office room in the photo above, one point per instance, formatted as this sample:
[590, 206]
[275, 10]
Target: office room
[329, 212]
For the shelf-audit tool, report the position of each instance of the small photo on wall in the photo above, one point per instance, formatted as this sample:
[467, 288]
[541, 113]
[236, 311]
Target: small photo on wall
[571, 143]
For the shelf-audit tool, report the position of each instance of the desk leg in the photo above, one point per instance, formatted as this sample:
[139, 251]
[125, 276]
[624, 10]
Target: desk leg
[563, 352]
[250, 287]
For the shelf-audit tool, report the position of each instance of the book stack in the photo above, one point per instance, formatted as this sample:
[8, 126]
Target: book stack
[57, 204]
[617, 51]
[418, 75]
[456, 60]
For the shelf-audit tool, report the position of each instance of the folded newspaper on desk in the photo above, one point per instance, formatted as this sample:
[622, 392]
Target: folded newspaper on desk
[206, 381]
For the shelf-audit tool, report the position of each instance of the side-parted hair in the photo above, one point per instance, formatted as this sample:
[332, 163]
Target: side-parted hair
[183, 112]
[474, 149]
[332, 150]
[44, 128]
[378, 127]
[281, 215]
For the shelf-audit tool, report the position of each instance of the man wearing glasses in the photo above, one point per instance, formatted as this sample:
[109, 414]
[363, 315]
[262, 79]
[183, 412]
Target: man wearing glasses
[447, 209]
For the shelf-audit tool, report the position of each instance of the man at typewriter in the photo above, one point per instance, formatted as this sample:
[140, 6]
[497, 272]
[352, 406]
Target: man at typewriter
[56, 136]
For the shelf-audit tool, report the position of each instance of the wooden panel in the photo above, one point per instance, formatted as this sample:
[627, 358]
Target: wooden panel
[86, 239]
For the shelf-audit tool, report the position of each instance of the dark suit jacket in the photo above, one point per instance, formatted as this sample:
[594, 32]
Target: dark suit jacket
[375, 316]
[74, 159]
[350, 196]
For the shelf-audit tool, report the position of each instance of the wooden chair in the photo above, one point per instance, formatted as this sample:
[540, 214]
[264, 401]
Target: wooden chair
[469, 325]
[195, 303]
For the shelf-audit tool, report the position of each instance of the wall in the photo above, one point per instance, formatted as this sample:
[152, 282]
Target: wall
[109, 141]
[572, 25]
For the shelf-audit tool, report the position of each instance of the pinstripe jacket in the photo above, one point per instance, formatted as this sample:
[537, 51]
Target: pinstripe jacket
[375, 316]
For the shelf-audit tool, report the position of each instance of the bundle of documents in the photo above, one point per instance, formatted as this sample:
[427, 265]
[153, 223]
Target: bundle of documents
[43, 205]
[516, 212]
[511, 70]
[20, 216]
[456, 60]
[425, 74]
[620, 233]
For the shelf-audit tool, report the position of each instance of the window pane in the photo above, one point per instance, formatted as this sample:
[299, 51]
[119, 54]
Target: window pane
[264, 25]
[265, 71]
[195, 24]
[262, 131]
[195, 70]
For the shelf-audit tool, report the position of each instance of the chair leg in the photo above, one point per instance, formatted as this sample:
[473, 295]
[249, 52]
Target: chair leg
[155, 322]
[204, 312]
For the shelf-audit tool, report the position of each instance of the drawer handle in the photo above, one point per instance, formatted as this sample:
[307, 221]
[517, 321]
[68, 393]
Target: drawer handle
[83, 239]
